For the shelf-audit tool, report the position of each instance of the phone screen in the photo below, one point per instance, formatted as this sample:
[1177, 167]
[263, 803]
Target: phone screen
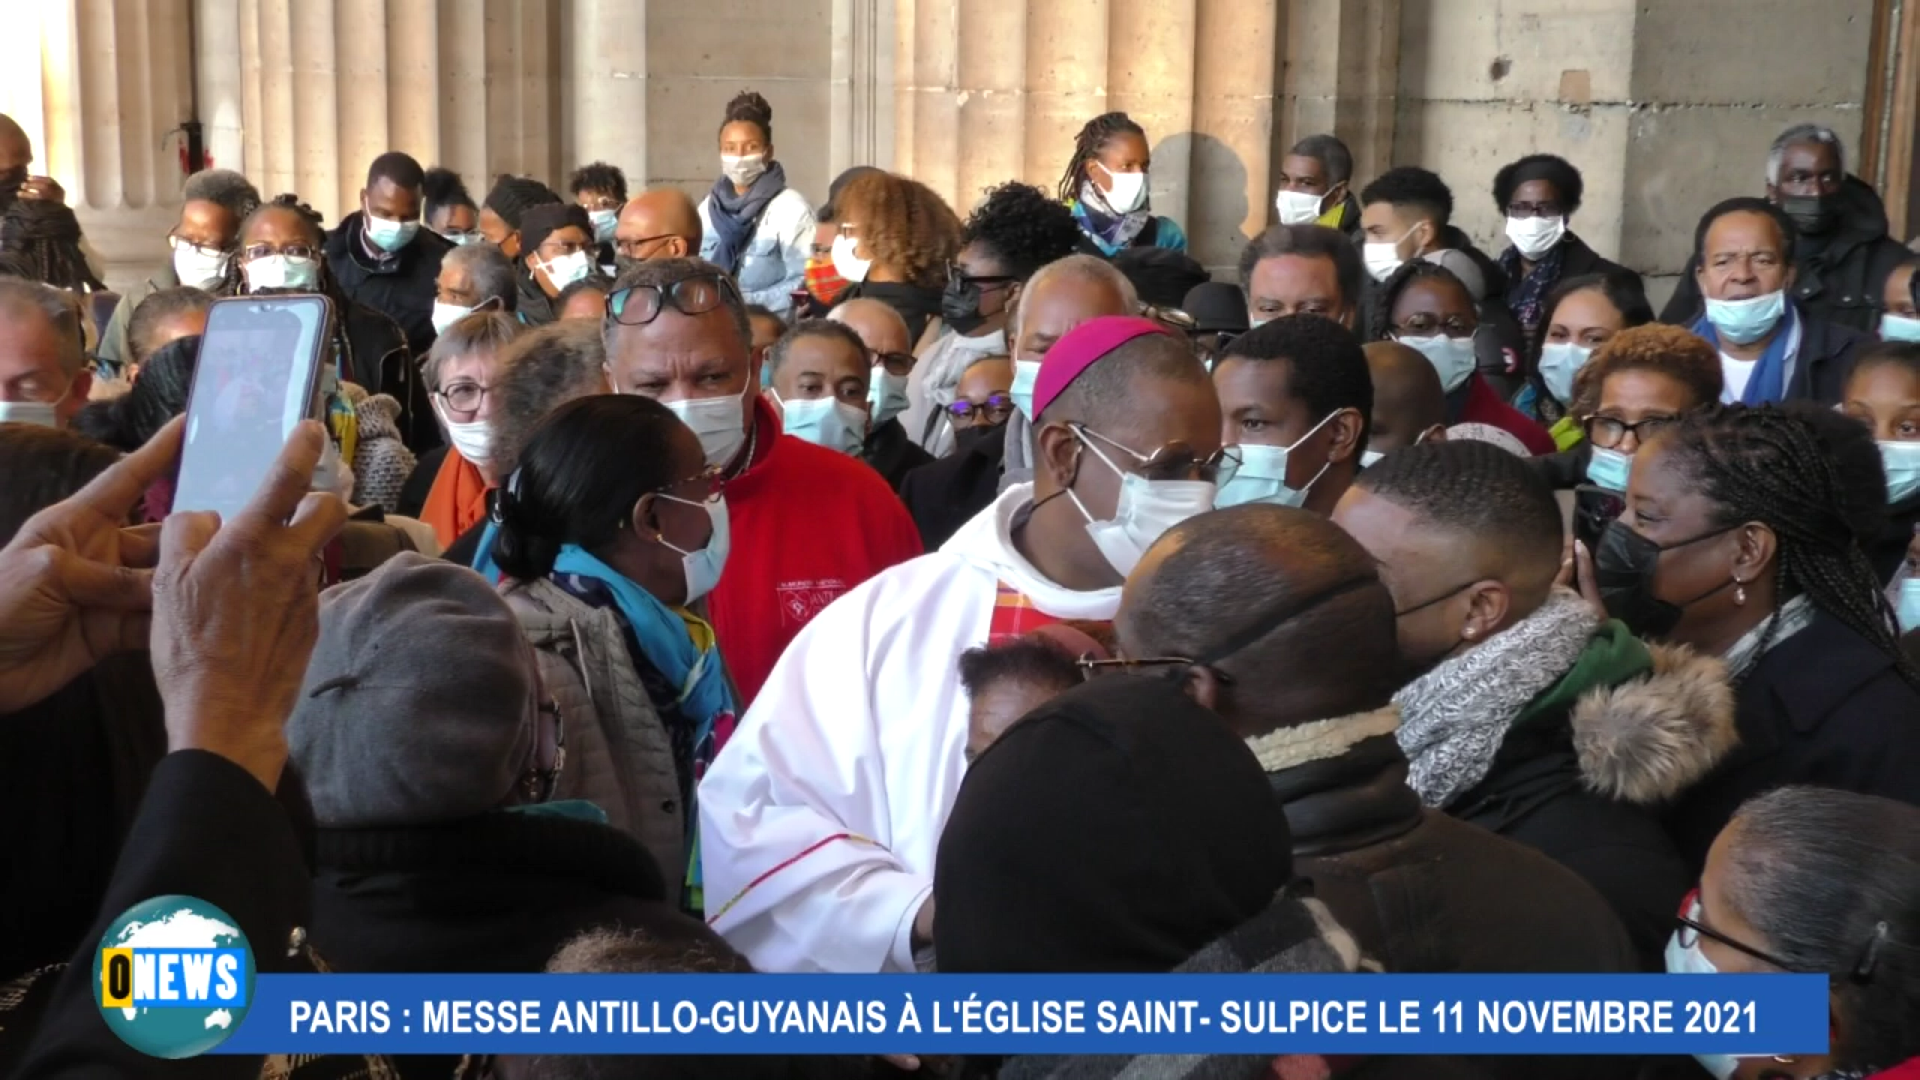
[255, 380]
[1594, 508]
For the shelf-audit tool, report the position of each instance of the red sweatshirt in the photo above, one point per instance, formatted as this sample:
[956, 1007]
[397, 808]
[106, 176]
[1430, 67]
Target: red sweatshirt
[1483, 406]
[807, 525]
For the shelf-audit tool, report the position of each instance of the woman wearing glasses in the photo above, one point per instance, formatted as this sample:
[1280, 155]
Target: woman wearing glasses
[461, 369]
[1640, 382]
[1815, 881]
[609, 533]
[557, 250]
[942, 496]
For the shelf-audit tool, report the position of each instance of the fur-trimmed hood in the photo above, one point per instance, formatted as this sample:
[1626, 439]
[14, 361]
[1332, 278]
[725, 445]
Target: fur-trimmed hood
[1647, 740]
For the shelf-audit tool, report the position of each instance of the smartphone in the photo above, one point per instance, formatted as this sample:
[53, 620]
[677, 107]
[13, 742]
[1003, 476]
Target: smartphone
[257, 378]
[1594, 508]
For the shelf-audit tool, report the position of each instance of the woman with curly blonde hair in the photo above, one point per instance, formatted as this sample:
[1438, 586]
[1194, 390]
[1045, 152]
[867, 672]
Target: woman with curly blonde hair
[896, 239]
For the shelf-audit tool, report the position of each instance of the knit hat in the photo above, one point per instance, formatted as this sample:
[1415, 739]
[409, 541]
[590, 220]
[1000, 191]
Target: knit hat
[1080, 348]
[540, 222]
[512, 196]
[1162, 276]
[1217, 307]
[1119, 827]
[417, 706]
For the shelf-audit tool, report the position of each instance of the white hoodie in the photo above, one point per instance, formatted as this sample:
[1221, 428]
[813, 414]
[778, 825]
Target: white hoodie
[820, 820]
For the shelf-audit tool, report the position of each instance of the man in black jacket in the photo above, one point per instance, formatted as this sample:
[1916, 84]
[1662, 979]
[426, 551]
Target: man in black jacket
[382, 257]
[1842, 253]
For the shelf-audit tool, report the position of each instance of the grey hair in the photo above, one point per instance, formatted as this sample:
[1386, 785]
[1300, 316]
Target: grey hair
[660, 273]
[481, 332]
[1086, 267]
[1804, 133]
[489, 270]
[1830, 880]
[225, 187]
[59, 307]
[543, 370]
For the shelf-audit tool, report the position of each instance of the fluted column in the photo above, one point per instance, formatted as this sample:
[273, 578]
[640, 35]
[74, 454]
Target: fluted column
[1150, 77]
[992, 74]
[936, 105]
[1230, 174]
[607, 70]
[1066, 81]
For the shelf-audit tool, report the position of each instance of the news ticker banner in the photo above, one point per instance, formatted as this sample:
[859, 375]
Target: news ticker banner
[1035, 1014]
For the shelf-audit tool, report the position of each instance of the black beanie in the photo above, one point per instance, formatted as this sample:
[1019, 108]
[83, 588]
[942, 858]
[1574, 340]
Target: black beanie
[1119, 827]
[1162, 276]
[513, 195]
[541, 222]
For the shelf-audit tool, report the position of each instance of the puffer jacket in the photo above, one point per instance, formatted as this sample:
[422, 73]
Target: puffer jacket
[619, 754]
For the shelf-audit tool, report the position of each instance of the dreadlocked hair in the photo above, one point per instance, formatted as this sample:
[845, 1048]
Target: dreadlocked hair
[1380, 317]
[1087, 145]
[42, 239]
[236, 284]
[1768, 465]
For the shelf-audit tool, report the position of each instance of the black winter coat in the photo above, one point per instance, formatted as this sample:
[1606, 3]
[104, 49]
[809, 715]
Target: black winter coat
[1827, 353]
[378, 360]
[1822, 707]
[946, 494]
[1890, 550]
[892, 454]
[400, 285]
[1838, 277]
[917, 304]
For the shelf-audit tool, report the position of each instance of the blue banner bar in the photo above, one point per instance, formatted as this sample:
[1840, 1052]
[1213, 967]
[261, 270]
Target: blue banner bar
[1028, 1014]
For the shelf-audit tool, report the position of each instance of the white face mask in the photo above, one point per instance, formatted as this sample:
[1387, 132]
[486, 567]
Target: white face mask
[472, 440]
[1025, 374]
[198, 270]
[827, 422]
[462, 239]
[282, 272]
[1560, 361]
[743, 169]
[1262, 475]
[1129, 191]
[1907, 608]
[445, 315]
[567, 269]
[37, 413]
[604, 222]
[847, 264]
[1535, 236]
[1451, 357]
[387, 234]
[1369, 457]
[1144, 512]
[703, 567]
[717, 422]
[1681, 960]
[1383, 256]
[1297, 207]
[886, 396]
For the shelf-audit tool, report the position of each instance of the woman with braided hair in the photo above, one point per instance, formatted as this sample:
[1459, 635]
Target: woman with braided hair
[41, 239]
[1105, 186]
[1743, 537]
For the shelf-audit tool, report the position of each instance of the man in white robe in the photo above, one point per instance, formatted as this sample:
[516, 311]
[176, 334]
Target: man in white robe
[821, 818]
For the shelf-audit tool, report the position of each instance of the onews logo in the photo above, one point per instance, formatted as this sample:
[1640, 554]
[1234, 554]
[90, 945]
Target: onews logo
[173, 976]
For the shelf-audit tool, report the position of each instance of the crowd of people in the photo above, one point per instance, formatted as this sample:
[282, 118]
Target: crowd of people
[748, 585]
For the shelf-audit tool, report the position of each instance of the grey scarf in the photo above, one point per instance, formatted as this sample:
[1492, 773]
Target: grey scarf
[1454, 718]
[1792, 617]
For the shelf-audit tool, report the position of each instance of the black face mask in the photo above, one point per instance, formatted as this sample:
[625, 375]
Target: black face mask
[1623, 568]
[1810, 214]
[960, 306]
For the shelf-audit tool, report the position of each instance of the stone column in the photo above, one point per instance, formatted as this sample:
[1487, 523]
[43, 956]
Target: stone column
[1150, 77]
[992, 74]
[608, 71]
[936, 104]
[1233, 105]
[1066, 81]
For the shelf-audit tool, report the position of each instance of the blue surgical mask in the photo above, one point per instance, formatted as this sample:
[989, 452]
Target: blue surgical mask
[1560, 361]
[1368, 458]
[389, 235]
[1899, 327]
[1609, 468]
[1907, 607]
[703, 567]
[886, 396]
[462, 239]
[1025, 374]
[282, 272]
[1744, 322]
[1902, 460]
[1262, 475]
[604, 222]
[1682, 960]
[827, 422]
[1451, 357]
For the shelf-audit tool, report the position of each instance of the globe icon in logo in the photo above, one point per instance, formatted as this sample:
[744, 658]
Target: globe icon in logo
[173, 976]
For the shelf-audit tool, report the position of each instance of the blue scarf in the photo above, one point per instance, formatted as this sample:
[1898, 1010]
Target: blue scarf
[1768, 383]
[666, 636]
[735, 216]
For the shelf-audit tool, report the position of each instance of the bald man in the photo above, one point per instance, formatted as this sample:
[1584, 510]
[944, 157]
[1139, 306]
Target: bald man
[658, 223]
[1290, 632]
[1408, 405]
[889, 449]
[16, 178]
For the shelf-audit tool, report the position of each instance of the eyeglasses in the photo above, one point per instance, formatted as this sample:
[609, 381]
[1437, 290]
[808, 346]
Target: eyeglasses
[1425, 324]
[560, 249]
[997, 409]
[638, 305]
[177, 242]
[463, 396]
[712, 479]
[1543, 208]
[1608, 432]
[291, 251]
[1091, 666]
[1244, 638]
[957, 275]
[602, 202]
[898, 364]
[631, 248]
[1175, 460]
[1691, 930]
[1170, 317]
